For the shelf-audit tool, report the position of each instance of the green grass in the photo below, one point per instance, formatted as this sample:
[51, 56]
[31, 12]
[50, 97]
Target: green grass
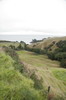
[60, 74]
[13, 84]
[48, 70]
[37, 60]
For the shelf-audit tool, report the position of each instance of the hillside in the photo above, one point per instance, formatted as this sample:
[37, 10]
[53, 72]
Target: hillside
[26, 75]
[14, 85]
[47, 42]
[54, 48]
[47, 70]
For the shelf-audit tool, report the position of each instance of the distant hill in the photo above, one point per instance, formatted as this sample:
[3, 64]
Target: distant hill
[11, 43]
[54, 48]
[47, 42]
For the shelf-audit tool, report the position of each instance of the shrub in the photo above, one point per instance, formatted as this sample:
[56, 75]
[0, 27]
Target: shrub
[12, 47]
[64, 48]
[17, 63]
[36, 50]
[11, 53]
[60, 55]
[63, 63]
[62, 45]
[20, 47]
[51, 55]
[42, 51]
[58, 50]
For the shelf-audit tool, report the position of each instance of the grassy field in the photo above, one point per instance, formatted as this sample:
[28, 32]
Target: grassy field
[38, 60]
[49, 70]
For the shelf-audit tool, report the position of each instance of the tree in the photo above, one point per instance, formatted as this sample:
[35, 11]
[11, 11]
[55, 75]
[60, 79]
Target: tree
[20, 46]
[12, 47]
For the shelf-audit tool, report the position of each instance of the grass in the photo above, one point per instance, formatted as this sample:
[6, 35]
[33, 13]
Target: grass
[37, 60]
[60, 74]
[47, 42]
[49, 70]
[9, 43]
[13, 84]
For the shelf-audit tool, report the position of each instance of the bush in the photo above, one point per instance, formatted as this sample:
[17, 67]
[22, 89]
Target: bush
[42, 51]
[60, 55]
[11, 53]
[63, 63]
[51, 55]
[20, 47]
[27, 48]
[12, 47]
[36, 50]
[57, 56]
[62, 45]
[17, 63]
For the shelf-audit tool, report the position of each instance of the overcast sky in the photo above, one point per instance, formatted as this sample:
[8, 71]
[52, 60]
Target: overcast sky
[25, 38]
[33, 17]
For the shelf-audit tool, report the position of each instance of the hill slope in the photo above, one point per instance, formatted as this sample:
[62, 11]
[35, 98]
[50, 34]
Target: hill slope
[49, 71]
[27, 75]
[47, 42]
[14, 85]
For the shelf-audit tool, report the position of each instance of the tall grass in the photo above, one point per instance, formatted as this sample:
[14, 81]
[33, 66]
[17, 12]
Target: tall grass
[13, 85]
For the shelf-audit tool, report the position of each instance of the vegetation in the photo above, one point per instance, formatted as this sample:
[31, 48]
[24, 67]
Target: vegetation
[41, 70]
[13, 84]
[26, 75]
[34, 41]
[36, 50]
[17, 64]
[58, 53]
[13, 45]
[60, 74]
[63, 63]
[9, 43]
[37, 82]
[20, 47]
